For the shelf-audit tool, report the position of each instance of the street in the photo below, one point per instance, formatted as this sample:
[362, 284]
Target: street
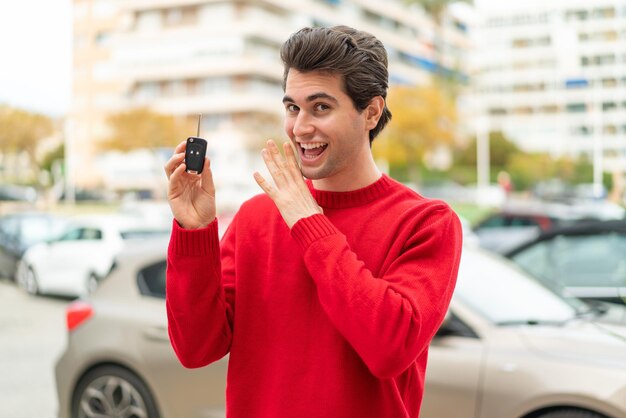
[32, 336]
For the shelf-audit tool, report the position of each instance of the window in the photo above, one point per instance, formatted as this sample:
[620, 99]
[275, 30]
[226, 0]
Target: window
[103, 38]
[582, 130]
[604, 13]
[609, 130]
[606, 106]
[151, 280]
[576, 107]
[549, 109]
[609, 82]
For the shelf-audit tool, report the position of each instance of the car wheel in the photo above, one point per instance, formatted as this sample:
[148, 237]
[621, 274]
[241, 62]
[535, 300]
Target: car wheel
[27, 279]
[571, 413]
[112, 391]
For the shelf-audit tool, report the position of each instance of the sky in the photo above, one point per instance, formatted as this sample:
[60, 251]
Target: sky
[35, 55]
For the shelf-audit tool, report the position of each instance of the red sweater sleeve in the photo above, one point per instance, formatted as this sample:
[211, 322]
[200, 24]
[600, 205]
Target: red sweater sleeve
[388, 320]
[199, 296]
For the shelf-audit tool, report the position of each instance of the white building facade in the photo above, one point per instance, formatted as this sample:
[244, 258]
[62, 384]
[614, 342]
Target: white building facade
[221, 59]
[552, 75]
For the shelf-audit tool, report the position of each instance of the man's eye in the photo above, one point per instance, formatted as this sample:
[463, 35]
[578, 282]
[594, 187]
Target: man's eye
[291, 108]
[321, 107]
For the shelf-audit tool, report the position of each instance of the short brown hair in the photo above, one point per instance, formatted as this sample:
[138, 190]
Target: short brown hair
[359, 57]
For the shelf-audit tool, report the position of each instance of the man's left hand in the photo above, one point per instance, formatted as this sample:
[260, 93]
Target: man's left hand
[290, 193]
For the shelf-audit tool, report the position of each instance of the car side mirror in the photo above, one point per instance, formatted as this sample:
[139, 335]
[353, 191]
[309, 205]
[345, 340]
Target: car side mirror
[453, 326]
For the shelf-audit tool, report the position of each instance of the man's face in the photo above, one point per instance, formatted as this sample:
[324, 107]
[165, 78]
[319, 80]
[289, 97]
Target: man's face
[329, 134]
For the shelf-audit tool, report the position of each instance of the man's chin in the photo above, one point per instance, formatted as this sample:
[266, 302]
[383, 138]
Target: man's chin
[311, 174]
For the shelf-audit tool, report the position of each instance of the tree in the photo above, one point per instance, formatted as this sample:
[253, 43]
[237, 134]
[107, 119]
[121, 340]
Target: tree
[144, 128]
[258, 128]
[22, 131]
[501, 149]
[424, 119]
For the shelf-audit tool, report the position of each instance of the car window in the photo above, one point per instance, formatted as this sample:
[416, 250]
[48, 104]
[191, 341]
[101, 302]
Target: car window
[590, 260]
[536, 261]
[508, 221]
[91, 234]
[515, 221]
[76, 234]
[151, 280]
[495, 221]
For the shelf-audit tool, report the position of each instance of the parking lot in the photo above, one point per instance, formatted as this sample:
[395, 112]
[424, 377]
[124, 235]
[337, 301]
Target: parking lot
[32, 336]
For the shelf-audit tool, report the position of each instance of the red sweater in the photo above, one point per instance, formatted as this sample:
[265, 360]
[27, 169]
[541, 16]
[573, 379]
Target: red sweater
[329, 320]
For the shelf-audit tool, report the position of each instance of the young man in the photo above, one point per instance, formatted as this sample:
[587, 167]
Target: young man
[326, 292]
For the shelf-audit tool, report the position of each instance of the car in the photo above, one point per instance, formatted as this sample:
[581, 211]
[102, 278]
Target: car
[509, 348]
[15, 193]
[587, 259]
[521, 221]
[73, 264]
[19, 231]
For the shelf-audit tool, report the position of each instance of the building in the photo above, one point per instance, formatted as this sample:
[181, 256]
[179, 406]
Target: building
[221, 59]
[552, 76]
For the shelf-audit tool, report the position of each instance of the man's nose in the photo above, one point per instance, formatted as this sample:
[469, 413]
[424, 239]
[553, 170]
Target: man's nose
[303, 124]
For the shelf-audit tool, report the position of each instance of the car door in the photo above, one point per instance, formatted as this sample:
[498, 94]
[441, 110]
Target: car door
[453, 373]
[71, 259]
[198, 393]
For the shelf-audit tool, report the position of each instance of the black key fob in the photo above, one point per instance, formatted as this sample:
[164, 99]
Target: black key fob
[194, 154]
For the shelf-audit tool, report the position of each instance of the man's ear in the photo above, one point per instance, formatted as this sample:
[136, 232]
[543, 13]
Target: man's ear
[374, 111]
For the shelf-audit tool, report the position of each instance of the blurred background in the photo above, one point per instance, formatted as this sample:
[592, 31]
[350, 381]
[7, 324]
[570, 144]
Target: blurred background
[512, 112]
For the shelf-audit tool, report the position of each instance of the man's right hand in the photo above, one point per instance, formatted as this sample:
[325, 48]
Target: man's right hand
[191, 196]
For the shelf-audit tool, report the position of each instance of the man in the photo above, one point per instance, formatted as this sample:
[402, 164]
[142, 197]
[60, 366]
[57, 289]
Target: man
[325, 292]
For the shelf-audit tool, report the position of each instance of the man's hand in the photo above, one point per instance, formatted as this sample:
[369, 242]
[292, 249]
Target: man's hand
[191, 196]
[291, 194]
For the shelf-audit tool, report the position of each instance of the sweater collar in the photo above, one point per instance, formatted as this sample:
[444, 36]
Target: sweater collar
[353, 198]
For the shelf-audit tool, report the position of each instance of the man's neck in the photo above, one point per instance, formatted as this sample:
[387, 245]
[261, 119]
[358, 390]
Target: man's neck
[355, 179]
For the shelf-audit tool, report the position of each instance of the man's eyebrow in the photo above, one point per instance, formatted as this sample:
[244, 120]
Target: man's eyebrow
[312, 97]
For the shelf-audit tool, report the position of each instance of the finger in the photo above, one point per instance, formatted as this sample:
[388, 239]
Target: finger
[180, 147]
[177, 174]
[264, 184]
[275, 171]
[173, 163]
[207, 178]
[275, 153]
[292, 160]
[280, 161]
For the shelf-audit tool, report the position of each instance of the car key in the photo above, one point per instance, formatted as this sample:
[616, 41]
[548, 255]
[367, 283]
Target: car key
[195, 152]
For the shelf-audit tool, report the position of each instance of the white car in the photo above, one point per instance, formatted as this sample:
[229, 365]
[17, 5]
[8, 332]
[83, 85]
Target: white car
[73, 264]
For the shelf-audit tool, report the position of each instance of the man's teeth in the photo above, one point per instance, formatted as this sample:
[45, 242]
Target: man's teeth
[312, 145]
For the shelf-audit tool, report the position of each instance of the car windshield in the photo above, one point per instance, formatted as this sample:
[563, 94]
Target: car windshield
[504, 294]
[39, 229]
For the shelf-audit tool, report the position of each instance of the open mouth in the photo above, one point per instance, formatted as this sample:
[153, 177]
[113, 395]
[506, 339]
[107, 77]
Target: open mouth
[312, 150]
